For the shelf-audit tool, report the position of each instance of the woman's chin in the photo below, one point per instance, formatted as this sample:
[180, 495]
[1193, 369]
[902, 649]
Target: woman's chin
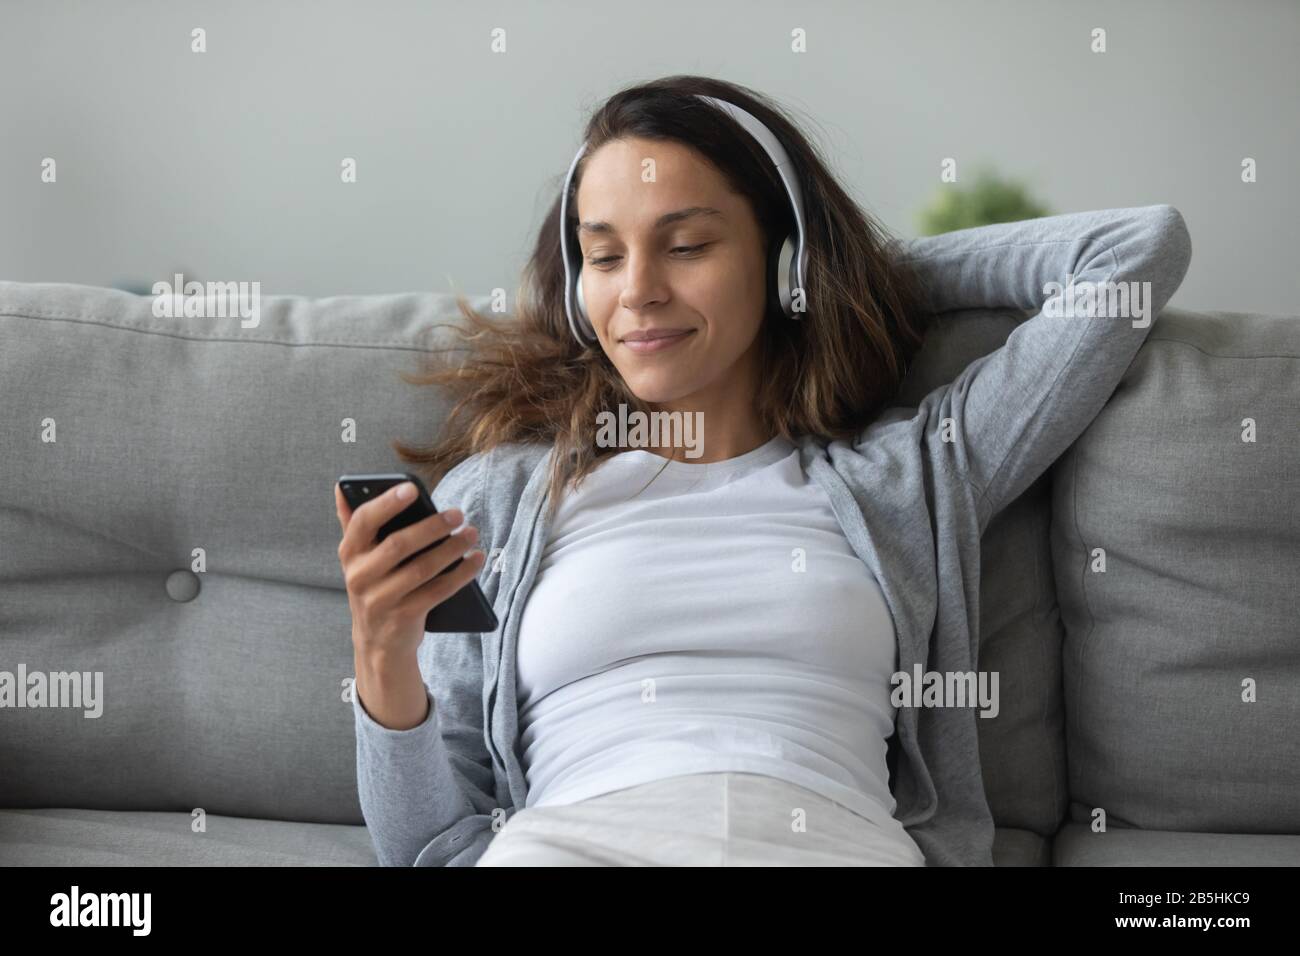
[658, 392]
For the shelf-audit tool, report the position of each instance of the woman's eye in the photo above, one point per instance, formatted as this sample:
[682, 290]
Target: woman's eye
[598, 262]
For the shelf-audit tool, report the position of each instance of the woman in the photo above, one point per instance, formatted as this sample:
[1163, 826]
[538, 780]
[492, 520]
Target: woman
[697, 645]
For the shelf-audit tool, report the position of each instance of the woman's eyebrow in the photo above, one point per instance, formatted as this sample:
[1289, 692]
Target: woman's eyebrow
[666, 219]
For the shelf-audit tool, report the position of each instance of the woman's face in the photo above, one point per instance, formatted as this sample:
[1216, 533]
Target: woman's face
[680, 252]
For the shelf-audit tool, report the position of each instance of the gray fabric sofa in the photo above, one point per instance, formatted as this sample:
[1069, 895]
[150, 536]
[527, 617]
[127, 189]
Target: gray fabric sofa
[167, 520]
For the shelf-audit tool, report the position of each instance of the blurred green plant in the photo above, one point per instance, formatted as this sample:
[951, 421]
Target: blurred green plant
[986, 199]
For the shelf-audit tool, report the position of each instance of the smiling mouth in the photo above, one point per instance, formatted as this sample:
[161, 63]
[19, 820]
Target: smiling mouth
[658, 343]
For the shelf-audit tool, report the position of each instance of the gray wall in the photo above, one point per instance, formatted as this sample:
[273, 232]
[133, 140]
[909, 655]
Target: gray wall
[226, 164]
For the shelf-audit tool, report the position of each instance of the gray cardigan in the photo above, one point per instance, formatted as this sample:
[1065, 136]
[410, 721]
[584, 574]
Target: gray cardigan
[913, 491]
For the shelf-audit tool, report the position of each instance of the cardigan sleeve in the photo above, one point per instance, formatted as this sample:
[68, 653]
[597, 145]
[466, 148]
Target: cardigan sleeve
[426, 792]
[1008, 415]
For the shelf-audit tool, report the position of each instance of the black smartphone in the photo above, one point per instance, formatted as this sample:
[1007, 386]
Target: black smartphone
[466, 610]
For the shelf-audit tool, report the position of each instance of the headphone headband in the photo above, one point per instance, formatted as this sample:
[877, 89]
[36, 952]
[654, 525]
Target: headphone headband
[792, 262]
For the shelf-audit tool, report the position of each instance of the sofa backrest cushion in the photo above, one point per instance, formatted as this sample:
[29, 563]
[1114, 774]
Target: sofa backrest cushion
[1182, 656]
[136, 449]
[1022, 749]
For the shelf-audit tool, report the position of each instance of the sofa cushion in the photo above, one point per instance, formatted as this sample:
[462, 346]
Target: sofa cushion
[131, 445]
[1078, 845]
[139, 838]
[1199, 599]
[1014, 847]
[1022, 749]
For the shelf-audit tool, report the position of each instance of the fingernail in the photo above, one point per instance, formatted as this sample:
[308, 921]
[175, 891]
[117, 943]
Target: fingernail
[406, 491]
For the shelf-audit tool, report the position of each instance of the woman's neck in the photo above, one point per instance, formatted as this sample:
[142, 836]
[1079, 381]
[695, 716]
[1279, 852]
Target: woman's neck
[717, 445]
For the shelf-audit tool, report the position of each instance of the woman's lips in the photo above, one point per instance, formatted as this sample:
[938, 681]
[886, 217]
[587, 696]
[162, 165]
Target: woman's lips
[659, 344]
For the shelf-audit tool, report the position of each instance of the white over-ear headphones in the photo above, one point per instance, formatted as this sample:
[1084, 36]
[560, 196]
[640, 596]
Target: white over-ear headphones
[790, 266]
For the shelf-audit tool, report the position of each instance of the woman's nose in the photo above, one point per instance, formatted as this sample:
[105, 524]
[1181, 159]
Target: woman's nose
[642, 282]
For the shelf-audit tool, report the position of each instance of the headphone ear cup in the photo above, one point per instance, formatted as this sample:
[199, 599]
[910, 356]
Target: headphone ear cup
[583, 320]
[778, 279]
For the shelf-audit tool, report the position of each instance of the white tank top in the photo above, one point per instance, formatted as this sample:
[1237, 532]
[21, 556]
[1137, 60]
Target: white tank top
[716, 621]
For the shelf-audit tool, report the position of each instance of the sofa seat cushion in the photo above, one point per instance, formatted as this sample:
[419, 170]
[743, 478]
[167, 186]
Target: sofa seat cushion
[67, 837]
[1077, 845]
[1013, 846]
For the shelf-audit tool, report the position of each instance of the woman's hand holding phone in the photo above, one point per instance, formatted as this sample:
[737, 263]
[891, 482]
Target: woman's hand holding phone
[389, 603]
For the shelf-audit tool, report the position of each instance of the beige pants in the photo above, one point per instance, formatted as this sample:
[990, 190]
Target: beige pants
[701, 819]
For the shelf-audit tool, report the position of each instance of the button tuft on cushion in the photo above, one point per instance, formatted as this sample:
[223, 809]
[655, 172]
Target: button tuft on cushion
[182, 586]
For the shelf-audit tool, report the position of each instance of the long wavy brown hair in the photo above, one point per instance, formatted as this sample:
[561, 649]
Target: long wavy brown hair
[524, 378]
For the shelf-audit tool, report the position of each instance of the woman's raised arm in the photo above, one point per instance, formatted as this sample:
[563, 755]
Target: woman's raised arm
[1011, 413]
